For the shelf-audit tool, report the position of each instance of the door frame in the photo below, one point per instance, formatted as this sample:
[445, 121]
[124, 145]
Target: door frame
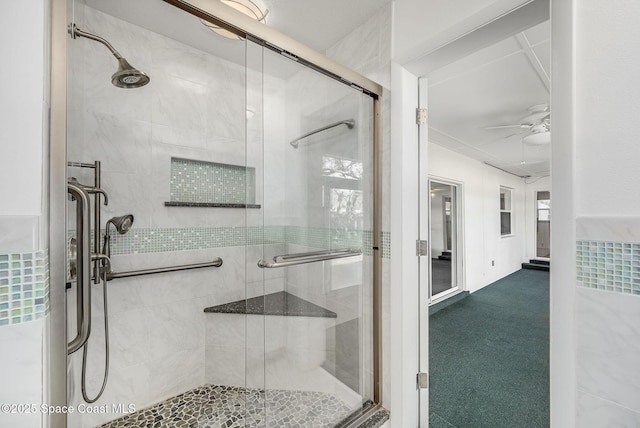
[459, 235]
[535, 227]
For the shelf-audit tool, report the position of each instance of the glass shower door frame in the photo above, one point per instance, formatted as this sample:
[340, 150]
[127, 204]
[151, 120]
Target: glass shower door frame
[245, 28]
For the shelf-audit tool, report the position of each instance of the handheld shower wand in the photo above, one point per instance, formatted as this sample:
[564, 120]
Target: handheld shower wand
[122, 224]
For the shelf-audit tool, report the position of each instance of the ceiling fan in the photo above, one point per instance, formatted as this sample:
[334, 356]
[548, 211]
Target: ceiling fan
[537, 125]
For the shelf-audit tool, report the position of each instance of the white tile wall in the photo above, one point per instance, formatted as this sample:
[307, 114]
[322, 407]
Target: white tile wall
[595, 412]
[19, 234]
[608, 345]
[24, 107]
[20, 371]
[194, 107]
[607, 334]
[161, 340]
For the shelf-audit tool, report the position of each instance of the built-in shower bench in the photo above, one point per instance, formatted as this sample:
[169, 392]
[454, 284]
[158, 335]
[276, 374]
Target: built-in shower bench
[281, 303]
[281, 333]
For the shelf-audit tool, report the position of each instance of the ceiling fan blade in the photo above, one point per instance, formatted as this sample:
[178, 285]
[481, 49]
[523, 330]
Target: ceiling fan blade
[515, 133]
[506, 126]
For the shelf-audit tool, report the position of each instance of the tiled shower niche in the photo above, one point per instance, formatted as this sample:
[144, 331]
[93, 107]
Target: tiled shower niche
[210, 184]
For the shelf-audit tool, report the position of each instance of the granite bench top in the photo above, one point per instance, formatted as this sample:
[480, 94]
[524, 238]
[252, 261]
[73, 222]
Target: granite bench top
[281, 303]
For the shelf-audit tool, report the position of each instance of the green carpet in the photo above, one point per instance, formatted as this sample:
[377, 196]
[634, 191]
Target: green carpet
[489, 356]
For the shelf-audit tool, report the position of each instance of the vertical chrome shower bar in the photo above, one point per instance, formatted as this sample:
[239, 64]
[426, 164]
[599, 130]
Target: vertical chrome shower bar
[96, 222]
[83, 277]
[97, 170]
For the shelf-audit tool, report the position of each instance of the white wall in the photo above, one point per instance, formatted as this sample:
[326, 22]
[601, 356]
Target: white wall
[607, 207]
[481, 212]
[22, 107]
[24, 110]
[533, 185]
[427, 25]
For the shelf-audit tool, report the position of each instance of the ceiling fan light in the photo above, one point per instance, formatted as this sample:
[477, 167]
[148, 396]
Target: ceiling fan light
[254, 9]
[538, 138]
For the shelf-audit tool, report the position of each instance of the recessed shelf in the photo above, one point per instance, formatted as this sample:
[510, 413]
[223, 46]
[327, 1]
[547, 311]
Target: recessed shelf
[209, 205]
[196, 183]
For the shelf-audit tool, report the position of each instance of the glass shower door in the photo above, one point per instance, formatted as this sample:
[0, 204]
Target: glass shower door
[316, 259]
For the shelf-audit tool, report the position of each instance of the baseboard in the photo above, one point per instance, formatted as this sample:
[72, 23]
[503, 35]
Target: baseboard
[435, 307]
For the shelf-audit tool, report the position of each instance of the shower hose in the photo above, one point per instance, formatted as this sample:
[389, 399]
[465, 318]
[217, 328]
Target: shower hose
[85, 350]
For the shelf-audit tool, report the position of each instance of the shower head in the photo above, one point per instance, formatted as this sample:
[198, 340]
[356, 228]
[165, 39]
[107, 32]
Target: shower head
[122, 224]
[127, 76]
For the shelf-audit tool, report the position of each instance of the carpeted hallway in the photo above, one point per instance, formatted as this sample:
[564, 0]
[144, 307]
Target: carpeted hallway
[489, 356]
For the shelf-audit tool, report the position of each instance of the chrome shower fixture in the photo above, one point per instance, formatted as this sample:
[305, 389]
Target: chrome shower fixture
[122, 224]
[126, 76]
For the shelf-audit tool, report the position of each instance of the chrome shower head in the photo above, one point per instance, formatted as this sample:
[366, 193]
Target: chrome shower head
[122, 224]
[127, 76]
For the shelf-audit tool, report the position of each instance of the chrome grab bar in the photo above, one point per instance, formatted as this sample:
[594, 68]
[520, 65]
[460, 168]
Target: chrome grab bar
[349, 122]
[83, 269]
[217, 262]
[311, 257]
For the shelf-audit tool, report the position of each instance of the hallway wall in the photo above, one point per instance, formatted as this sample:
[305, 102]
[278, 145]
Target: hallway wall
[24, 108]
[481, 202]
[607, 253]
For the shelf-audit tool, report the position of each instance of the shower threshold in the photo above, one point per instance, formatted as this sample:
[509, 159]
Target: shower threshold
[213, 406]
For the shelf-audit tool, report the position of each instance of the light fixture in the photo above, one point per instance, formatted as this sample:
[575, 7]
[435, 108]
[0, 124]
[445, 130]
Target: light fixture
[255, 9]
[540, 134]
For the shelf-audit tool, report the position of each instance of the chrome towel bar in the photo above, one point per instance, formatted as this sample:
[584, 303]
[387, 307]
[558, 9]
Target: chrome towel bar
[349, 122]
[311, 257]
[217, 262]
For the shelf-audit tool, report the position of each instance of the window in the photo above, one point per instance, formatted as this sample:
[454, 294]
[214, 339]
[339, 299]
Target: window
[505, 211]
[343, 197]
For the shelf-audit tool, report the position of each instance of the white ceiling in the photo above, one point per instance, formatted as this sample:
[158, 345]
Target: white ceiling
[493, 86]
[318, 24]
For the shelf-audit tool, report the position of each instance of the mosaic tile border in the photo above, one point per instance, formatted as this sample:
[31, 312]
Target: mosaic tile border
[609, 266]
[24, 287]
[140, 241]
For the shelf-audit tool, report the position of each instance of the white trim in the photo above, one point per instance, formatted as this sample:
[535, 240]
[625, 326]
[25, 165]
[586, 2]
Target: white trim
[404, 263]
[460, 246]
[563, 272]
[535, 224]
[509, 210]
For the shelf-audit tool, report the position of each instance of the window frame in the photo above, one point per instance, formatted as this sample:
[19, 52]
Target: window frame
[506, 210]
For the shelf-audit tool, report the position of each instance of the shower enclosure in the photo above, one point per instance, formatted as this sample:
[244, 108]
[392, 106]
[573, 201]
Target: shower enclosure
[249, 161]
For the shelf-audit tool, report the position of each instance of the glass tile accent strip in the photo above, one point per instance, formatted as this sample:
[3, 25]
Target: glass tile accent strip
[139, 241]
[609, 266]
[198, 181]
[24, 287]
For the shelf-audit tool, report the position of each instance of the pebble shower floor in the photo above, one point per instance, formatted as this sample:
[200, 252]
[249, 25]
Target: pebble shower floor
[213, 406]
